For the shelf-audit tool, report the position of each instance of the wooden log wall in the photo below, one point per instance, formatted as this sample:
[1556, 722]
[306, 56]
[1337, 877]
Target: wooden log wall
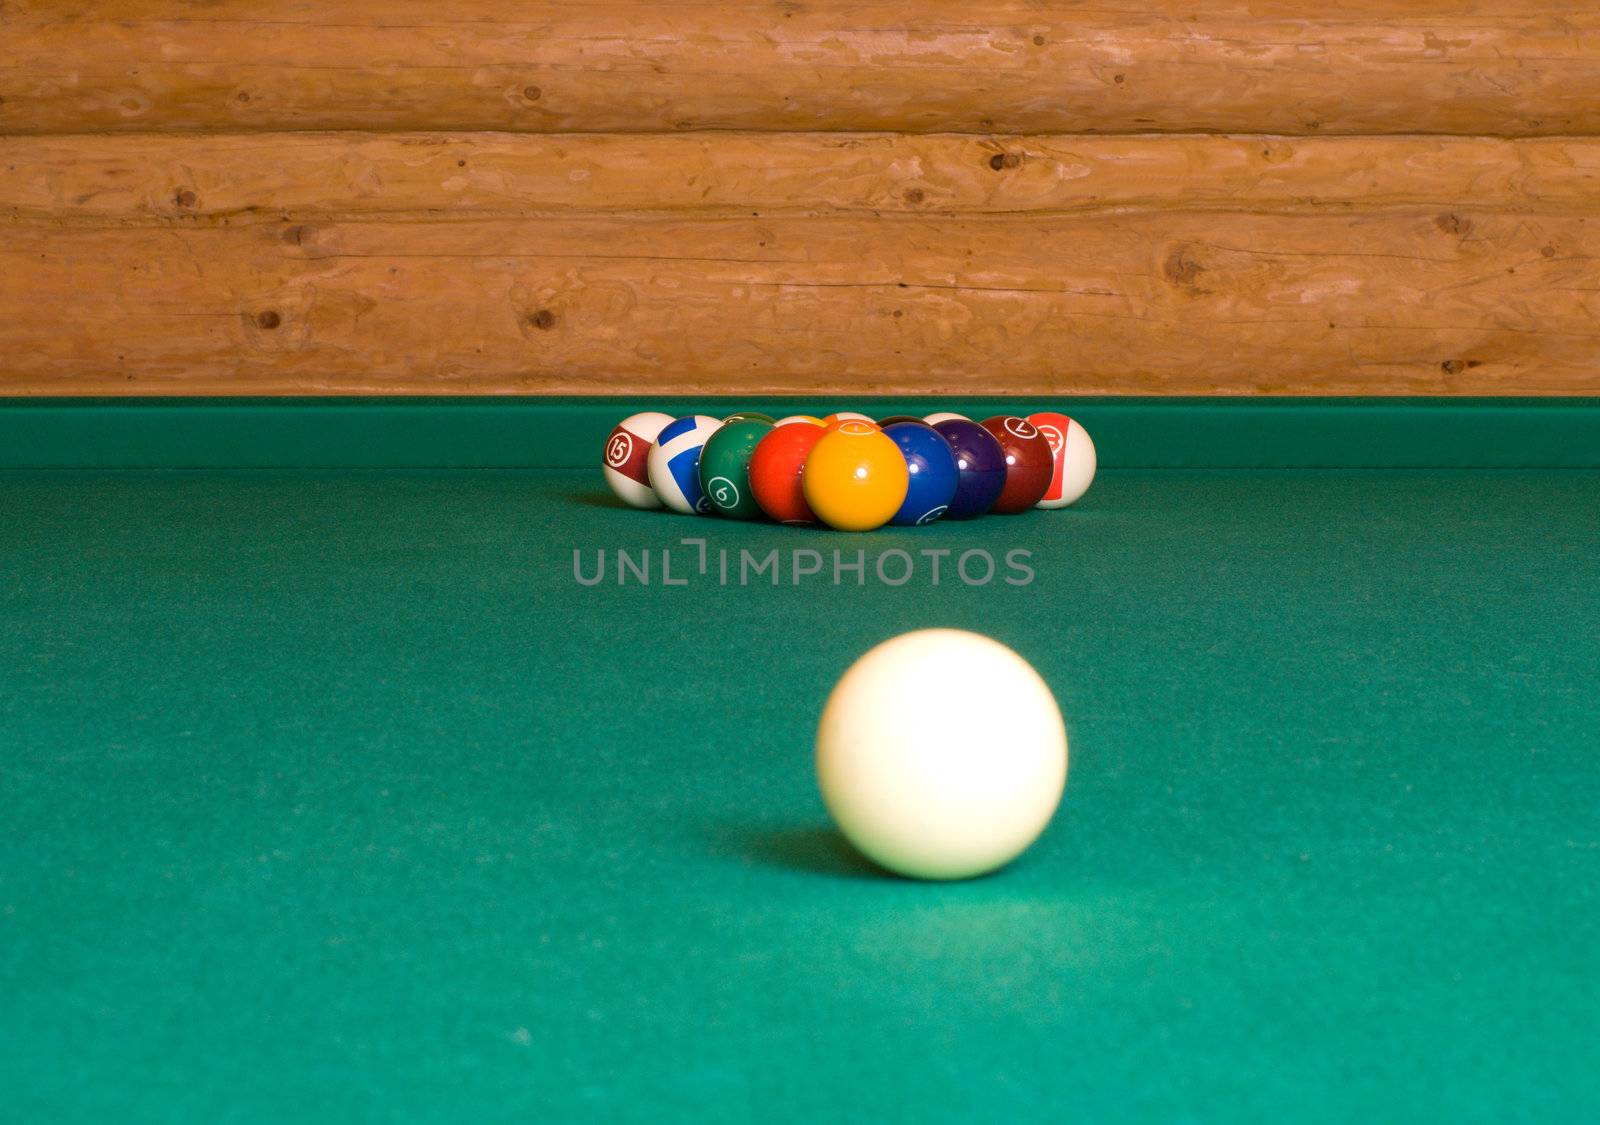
[639, 196]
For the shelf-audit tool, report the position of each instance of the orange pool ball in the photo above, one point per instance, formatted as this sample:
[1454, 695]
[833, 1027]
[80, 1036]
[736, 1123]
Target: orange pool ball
[775, 469]
[855, 478]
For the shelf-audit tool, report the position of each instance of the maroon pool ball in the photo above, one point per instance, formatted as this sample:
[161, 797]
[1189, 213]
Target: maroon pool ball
[1029, 465]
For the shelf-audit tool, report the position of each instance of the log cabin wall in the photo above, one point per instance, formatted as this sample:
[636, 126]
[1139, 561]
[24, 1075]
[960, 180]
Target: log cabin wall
[810, 196]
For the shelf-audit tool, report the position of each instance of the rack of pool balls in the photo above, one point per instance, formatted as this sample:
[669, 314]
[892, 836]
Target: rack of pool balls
[847, 470]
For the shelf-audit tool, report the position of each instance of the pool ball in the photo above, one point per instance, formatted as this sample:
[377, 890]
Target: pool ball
[848, 416]
[1073, 455]
[725, 468]
[1029, 465]
[775, 471]
[941, 754]
[931, 472]
[748, 416]
[627, 458]
[675, 463]
[896, 419]
[855, 478]
[945, 416]
[812, 419]
[980, 464]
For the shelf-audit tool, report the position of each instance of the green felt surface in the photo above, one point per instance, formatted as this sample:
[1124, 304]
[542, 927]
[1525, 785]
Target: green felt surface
[550, 433]
[334, 796]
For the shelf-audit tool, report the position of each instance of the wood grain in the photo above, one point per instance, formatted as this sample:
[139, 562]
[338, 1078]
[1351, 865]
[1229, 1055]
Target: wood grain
[230, 179]
[1228, 301]
[1307, 67]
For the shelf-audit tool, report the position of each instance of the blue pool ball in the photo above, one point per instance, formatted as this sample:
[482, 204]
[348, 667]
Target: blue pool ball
[933, 474]
[980, 466]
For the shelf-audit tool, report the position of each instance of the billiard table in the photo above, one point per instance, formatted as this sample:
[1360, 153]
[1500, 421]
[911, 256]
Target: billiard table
[333, 789]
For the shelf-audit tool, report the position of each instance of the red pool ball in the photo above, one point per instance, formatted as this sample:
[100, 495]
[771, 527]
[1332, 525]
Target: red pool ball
[1029, 464]
[775, 469]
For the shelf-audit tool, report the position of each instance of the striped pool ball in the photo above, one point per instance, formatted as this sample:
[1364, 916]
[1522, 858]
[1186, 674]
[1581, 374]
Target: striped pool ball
[931, 469]
[1029, 464]
[725, 468]
[944, 416]
[776, 468]
[627, 456]
[675, 463]
[749, 416]
[808, 418]
[834, 420]
[855, 478]
[980, 466]
[1073, 458]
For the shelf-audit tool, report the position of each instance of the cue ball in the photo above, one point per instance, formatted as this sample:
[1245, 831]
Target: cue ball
[941, 754]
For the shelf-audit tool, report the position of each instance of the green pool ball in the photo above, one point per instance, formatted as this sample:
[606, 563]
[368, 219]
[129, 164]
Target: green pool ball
[750, 416]
[725, 468]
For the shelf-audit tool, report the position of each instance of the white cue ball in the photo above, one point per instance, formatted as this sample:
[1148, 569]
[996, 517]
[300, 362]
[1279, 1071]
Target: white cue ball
[941, 754]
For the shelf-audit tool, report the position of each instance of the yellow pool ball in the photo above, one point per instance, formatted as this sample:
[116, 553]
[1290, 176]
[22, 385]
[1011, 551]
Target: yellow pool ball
[855, 478]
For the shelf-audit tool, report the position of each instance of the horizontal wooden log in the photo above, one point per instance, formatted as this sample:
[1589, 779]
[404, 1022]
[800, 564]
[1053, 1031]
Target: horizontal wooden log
[1222, 301]
[1312, 67]
[234, 179]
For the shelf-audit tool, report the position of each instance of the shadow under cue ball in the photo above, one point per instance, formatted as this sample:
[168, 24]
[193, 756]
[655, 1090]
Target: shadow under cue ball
[941, 754]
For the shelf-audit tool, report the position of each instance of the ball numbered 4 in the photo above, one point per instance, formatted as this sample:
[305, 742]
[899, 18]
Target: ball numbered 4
[675, 463]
